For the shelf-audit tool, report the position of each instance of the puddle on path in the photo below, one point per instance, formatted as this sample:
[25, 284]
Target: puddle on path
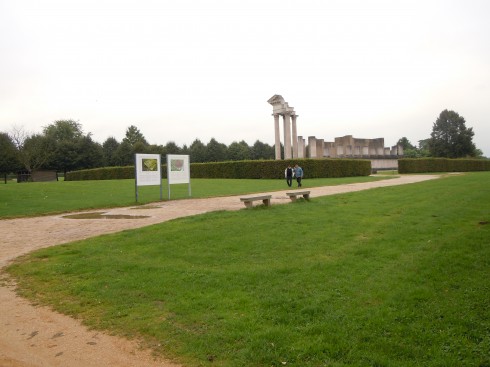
[147, 207]
[102, 215]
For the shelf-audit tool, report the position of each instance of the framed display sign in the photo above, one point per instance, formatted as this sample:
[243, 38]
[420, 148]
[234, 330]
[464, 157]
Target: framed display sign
[148, 171]
[178, 170]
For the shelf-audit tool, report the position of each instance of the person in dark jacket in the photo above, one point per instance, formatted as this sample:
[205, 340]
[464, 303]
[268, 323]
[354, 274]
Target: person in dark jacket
[288, 174]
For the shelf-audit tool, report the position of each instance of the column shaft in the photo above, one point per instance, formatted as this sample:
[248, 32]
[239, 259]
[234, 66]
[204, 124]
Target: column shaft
[295, 138]
[287, 136]
[277, 137]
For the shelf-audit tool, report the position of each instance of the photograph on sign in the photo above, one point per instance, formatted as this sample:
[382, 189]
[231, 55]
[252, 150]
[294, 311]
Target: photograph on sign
[177, 165]
[150, 164]
[178, 169]
[148, 169]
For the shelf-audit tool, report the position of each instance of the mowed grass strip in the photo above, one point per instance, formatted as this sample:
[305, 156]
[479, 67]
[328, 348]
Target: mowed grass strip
[40, 198]
[397, 276]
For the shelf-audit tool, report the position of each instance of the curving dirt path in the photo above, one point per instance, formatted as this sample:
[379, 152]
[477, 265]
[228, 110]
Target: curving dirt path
[35, 336]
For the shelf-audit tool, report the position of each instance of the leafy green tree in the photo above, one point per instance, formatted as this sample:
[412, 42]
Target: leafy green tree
[64, 156]
[70, 148]
[450, 137]
[9, 160]
[409, 150]
[133, 136]
[172, 148]
[405, 143]
[216, 152]
[262, 151]
[124, 155]
[479, 153]
[139, 147]
[155, 149]
[64, 130]
[197, 151]
[424, 148]
[109, 148]
[90, 153]
[35, 152]
[239, 151]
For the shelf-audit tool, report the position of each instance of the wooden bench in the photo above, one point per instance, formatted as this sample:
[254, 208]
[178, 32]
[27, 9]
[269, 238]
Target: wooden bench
[293, 195]
[266, 199]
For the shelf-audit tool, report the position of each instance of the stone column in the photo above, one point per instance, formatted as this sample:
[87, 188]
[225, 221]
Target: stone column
[295, 137]
[312, 146]
[348, 150]
[301, 147]
[287, 136]
[278, 137]
[319, 148]
[399, 150]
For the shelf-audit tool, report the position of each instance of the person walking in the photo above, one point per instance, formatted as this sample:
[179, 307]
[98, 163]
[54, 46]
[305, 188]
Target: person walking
[298, 173]
[288, 174]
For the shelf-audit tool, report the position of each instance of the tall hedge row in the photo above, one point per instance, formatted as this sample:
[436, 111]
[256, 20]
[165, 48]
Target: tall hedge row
[313, 168]
[104, 173]
[421, 165]
[270, 169]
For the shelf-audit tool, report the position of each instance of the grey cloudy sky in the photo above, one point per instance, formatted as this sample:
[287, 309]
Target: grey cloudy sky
[181, 70]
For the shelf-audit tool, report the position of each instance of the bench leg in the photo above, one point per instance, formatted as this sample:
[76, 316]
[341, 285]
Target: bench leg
[306, 196]
[248, 204]
[267, 202]
[293, 197]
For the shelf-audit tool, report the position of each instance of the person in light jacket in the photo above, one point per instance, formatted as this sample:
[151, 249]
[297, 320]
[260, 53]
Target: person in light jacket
[298, 173]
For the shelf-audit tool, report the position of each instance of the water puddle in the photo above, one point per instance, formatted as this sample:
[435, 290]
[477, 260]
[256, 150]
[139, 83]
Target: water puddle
[102, 215]
[147, 207]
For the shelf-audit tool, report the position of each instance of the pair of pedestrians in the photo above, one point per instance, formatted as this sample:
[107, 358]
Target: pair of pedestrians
[297, 172]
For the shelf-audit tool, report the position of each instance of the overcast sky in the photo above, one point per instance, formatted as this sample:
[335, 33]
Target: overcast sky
[187, 69]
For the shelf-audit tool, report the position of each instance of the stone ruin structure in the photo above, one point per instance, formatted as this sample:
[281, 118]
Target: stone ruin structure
[281, 108]
[342, 147]
[350, 147]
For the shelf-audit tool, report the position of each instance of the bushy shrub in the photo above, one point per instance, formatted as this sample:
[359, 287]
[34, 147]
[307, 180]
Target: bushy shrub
[423, 165]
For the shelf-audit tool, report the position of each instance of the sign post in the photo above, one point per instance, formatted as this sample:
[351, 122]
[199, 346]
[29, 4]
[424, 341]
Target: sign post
[148, 171]
[178, 171]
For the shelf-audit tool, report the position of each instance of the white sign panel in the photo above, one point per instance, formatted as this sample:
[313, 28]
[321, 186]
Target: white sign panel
[178, 169]
[148, 170]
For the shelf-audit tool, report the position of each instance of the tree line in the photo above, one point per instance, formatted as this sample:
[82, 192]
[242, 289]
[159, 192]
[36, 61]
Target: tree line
[63, 146]
[450, 138]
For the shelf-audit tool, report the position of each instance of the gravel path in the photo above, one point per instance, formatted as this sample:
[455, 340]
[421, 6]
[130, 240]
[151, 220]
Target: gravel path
[34, 336]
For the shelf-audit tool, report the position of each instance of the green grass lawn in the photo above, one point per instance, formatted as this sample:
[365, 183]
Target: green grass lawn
[38, 198]
[397, 276]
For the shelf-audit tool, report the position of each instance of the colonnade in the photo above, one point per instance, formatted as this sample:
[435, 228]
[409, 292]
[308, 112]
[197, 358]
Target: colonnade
[281, 108]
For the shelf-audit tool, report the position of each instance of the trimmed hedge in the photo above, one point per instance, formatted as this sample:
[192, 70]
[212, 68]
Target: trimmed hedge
[104, 173]
[313, 168]
[270, 169]
[422, 165]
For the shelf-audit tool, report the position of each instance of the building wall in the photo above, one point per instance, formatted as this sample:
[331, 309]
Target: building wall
[350, 147]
